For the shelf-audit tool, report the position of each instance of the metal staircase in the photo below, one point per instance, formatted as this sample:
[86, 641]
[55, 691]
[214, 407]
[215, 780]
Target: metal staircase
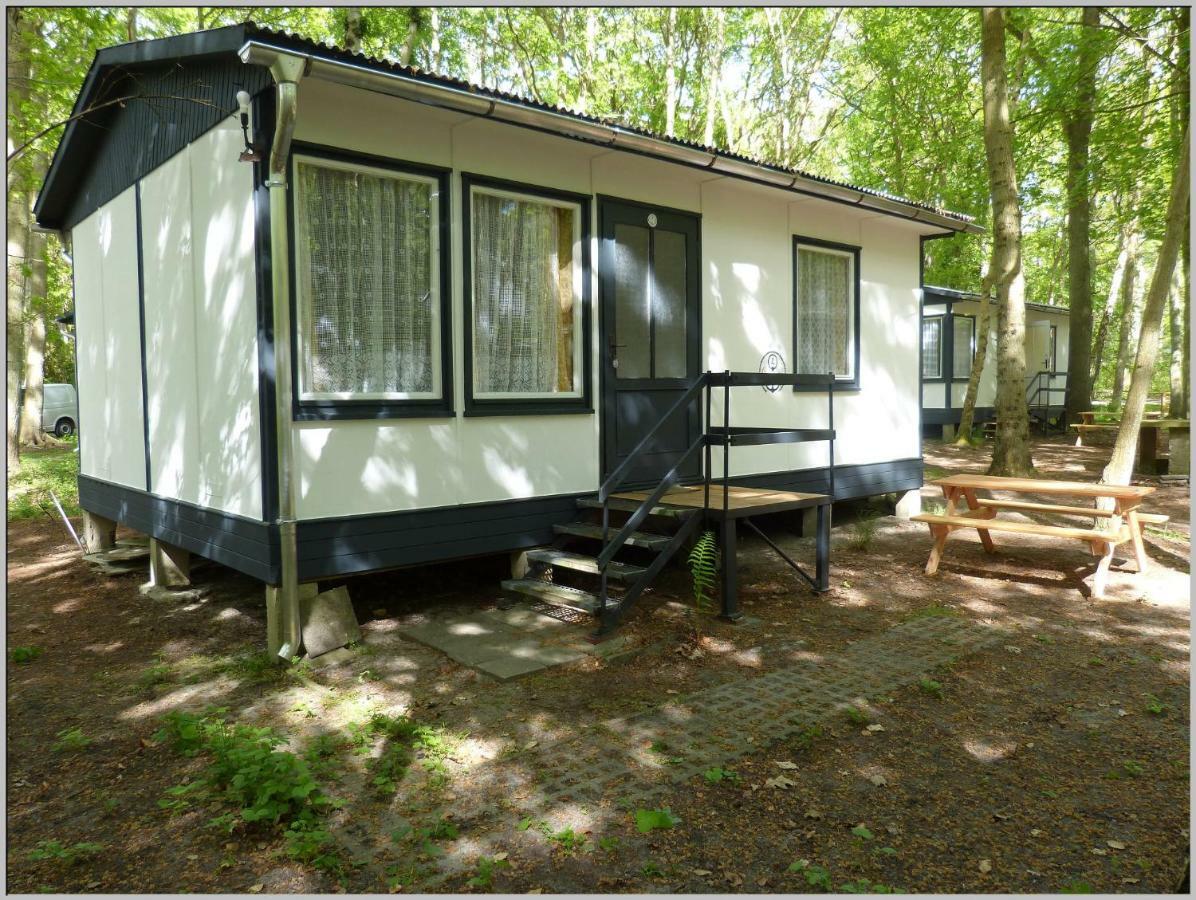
[644, 534]
[1040, 402]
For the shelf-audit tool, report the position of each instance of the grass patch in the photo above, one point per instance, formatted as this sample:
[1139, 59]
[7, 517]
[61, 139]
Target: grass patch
[22, 655]
[933, 611]
[40, 472]
[931, 687]
[58, 852]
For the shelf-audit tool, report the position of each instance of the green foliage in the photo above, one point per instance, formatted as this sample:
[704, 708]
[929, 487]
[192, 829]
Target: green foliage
[1077, 887]
[655, 819]
[71, 739]
[40, 472]
[863, 832]
[567, 839]
[404, 739]
[609, 844]
[651, 870]
[484, 876]
[22, 655]
[247, 774]
[863, 533]
[58, 852]
[1155, 706]
[855, 715]
[931, 687]
[703, 568]
[717, 774]
[934, 611]
[816, 876]
[807, 736]
[308, 841]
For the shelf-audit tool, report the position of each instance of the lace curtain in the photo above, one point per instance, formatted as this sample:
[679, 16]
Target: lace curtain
[366, 278]
[523, 294]
[824, 311]
[932, 348]
[962, 347]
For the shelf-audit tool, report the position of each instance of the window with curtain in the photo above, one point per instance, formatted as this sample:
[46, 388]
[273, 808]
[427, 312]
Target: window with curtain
[932, 347]
[367, 266]
[963, 347]
[525, 296]
[825, 313]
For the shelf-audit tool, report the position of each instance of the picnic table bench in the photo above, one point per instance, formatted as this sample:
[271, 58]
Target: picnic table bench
[1121, 524]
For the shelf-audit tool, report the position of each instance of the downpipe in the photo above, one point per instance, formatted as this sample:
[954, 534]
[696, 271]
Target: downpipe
[285, 636]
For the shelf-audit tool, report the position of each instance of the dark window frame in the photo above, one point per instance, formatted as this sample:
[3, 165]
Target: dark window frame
[956, 376]
[326, 409]
[514, 406]
[937, 318]
[841, 384]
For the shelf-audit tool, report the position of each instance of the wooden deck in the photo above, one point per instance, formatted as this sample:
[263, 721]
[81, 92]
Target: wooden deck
[741, 501]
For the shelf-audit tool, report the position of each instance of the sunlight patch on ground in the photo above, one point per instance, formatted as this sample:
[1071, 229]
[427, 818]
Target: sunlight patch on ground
[190, 695]
[989, 751]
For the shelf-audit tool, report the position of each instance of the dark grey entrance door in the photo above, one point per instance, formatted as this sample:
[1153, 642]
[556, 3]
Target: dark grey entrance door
[651, 334]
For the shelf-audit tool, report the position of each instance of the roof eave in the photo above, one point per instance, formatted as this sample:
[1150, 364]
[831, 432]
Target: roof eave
[363, 74]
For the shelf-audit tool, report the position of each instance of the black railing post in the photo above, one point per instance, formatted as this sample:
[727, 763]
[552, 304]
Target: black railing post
[709, 450]
[726, 437]
[830, 424]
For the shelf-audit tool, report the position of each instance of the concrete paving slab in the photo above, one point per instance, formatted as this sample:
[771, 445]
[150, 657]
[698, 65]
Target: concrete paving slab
[502, 643]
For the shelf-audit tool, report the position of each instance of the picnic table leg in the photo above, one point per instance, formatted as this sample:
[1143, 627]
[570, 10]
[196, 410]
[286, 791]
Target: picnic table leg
[1102, 569]
[940, 533]
[822, 571]
[985, 537]
[1135, 526]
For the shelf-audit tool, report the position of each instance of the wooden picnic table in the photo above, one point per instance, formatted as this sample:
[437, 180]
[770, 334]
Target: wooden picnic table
[1150, 435]
[1124, 520]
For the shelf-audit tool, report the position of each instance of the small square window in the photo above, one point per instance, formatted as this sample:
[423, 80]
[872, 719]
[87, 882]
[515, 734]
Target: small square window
[932, 347]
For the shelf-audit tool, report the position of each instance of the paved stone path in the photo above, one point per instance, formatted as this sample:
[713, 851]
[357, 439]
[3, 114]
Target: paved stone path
[718, 725]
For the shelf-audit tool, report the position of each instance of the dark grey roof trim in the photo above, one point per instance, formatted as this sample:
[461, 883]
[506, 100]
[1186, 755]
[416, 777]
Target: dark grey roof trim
[932, 295]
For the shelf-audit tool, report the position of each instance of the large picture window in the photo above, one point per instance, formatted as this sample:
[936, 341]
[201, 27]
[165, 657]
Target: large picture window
[932, 348]
[371, 310]
[826, 310]
[527, 299]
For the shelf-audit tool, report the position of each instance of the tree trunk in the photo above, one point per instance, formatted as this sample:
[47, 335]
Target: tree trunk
[670, 72]
[351, 39]
[1078, 130]
[414, 15]
[1011, 450]
[434, 38]
[1128, 326]
[131, 23]
[1175, 328]
[1186, 319]
[35, 342]
[1106, 316]
[18, 222]
[1121, 464]
[714, 73]
[967, 415]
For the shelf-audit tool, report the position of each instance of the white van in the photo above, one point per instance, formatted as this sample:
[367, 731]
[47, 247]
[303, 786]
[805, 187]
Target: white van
[60, 409]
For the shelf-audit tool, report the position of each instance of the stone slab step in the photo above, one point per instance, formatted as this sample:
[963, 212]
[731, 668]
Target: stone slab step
[629, 506]
[579, 562]
[556, 594]
[637, 538]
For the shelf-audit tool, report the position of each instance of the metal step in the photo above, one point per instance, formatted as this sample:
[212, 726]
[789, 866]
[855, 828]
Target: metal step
[629, 506]
[579, 562]
[556, 594]
[637, 538]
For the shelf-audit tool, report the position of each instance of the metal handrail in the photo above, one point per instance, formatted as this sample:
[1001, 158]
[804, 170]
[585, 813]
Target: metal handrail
[705, 380]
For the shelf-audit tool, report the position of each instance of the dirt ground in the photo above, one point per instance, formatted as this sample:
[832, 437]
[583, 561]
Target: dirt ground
[1057, 760]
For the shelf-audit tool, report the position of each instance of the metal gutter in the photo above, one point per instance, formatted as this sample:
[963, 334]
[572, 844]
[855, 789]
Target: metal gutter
[357, 75]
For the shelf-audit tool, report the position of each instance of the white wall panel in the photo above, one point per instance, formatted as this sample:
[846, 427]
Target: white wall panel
[201, 327]
[110, 401]
[747, 301]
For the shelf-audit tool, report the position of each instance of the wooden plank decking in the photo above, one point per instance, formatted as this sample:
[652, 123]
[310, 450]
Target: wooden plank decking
[741, 501]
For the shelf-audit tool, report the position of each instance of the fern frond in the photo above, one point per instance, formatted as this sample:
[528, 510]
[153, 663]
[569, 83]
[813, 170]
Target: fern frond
[703, 566]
